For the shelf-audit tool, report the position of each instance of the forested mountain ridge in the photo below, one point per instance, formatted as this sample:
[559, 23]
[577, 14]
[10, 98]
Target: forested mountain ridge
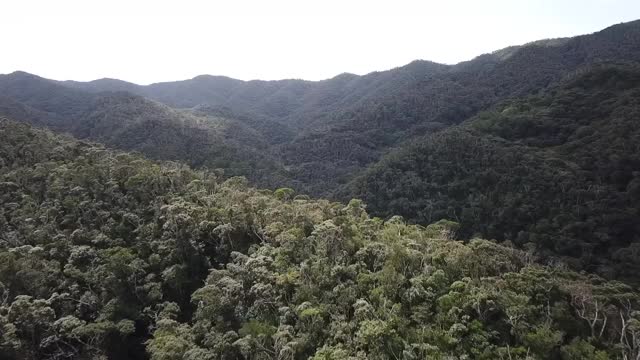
[319, 135]
[556, 172]
[104, 254]
[519, 69]
[334, 129]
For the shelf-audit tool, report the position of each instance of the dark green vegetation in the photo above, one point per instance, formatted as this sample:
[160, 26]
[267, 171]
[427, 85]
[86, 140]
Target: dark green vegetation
[109, 255]
[335, 128]
[558, 172]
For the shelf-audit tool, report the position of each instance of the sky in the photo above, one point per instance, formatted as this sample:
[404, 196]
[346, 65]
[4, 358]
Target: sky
[146, 41]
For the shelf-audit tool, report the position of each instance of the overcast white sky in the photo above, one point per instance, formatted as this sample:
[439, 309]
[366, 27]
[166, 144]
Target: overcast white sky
[150, 41]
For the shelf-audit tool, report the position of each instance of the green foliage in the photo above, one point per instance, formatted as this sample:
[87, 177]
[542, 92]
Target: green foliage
[283, 193]
[580, 349]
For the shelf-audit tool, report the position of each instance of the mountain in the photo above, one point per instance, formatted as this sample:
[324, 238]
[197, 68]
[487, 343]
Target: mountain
[107, 255]
[336, 128]
[294, 102]
[556, 172]
[102, 85]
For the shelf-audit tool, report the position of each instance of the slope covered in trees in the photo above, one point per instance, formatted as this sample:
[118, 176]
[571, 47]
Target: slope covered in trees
[555, 172]
[108, 255]
[314, 136]
[337, 127]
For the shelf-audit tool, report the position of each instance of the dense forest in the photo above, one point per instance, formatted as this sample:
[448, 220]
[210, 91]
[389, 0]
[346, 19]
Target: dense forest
[338, 127]
[317, 136]
[483, 210]
[109, 255]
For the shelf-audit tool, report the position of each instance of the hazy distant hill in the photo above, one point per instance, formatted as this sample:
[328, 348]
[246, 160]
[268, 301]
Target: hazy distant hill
[296, 102]
[104, 254]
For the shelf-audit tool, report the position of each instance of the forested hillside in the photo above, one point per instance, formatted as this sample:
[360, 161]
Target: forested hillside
[338, 127]
[105, 254]
[130, 122]
[555, 172]
[313, 136]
